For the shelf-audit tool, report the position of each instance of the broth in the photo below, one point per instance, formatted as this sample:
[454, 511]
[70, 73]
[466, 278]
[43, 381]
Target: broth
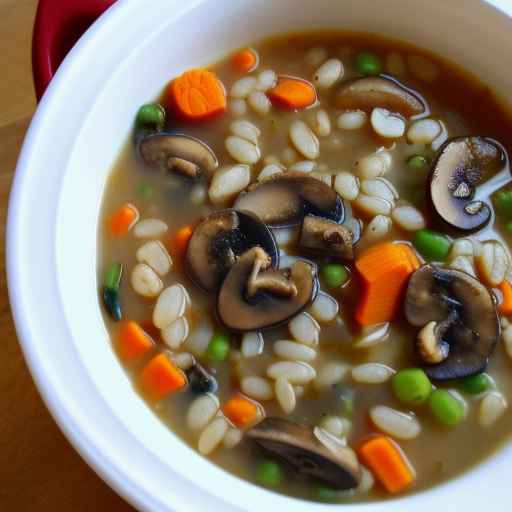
[465, 105]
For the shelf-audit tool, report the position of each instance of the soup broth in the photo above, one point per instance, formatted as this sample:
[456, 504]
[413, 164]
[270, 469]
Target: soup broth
[379, 161]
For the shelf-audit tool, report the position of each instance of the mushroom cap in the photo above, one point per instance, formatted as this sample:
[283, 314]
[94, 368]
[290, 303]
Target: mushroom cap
[300, 447]
[379, 91]
[240, 312]
[177, 152]
[283, 199]
[465, 311]
[461, 165]
[326, 237]
[218, 241]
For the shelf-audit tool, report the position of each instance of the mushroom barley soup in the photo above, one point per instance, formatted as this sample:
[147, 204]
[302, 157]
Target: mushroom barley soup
[305, 265]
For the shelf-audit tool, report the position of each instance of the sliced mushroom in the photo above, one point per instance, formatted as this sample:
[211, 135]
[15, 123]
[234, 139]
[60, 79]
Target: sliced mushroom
[324, 236]
[254, 296]
[178, 153]
[331, 463]
[460, 326]
[284, 199]
[379, 91]
[218, 241]
[462, 164]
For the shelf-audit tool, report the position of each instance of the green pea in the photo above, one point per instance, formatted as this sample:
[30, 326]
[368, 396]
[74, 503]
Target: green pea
[268, 473]
[218, 348]
[411, 386]
[503, 202]
[111, 302]
[323, 492]
[417, 162]
[446, 408]
[368, 64]
[145, 190]
[334, 275]
[431, 245]
[152, 114]
[475, 384]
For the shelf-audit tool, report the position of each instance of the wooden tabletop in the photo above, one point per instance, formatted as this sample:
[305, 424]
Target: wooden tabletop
[39, 470]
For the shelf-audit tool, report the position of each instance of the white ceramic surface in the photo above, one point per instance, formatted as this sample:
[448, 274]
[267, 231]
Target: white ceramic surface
[80, 126]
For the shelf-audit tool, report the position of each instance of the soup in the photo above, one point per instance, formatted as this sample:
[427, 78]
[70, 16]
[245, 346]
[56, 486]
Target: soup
[304, 263]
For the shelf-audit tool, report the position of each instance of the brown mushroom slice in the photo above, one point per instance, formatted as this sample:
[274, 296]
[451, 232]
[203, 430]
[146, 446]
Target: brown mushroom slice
[461, 166]
[323, 236]
[298, 446]
[283, 199]
[254, 296]
[379, 91]
[178, 153]
[460, 326]
[217, 242]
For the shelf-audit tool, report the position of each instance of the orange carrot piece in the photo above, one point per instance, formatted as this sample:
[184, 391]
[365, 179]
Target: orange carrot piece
[505, 308]
[385, 270]
[161, 377]
[133, 341]
[122, 220]
[245, 60]
[240, 410]
[410, 256]
[293, 94]
[387, 461]
[197, 95]
[181, 240]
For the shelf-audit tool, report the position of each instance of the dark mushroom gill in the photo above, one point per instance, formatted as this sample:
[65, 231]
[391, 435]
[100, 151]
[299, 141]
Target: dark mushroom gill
[219, 240]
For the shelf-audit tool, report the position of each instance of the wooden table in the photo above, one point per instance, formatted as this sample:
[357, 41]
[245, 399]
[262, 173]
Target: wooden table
[39, 470]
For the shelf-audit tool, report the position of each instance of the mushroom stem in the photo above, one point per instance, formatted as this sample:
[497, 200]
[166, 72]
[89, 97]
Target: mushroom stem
[183, 167]
[433, 348]
[273, 282]
[324, 236]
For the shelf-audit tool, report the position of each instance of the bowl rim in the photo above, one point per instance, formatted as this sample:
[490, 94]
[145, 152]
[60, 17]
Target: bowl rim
[115, 477]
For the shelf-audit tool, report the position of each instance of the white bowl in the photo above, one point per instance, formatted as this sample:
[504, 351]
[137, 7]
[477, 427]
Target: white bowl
[76, 135]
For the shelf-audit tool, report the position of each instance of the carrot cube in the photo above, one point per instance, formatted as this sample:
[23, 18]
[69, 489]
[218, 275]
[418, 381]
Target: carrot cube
[389, 464]
[241, 411]
[122, 220]
[161, 377]
[133, 341]
[385, 270]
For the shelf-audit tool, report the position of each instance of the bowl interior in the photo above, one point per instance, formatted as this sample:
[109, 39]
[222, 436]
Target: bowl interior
[75, 138]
